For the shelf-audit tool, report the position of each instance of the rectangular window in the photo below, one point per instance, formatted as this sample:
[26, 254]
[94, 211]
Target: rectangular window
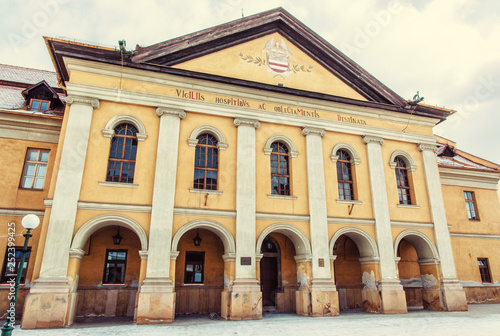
[11, 264]
[484, 269]
[35, 168]
[470, 205]
[194, 267]
[38, 105]
[115, 266]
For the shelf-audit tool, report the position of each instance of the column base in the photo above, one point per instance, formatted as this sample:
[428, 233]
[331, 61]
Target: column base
[324, 298]
[371, 301]
[156, 302]
[453, 295]
[432, 299]
[245, 300]
[49, 304]
[303, 302]
[392, 296]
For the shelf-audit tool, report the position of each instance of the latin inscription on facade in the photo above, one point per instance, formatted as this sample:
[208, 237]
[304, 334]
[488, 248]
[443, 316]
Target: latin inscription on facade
[240, 102]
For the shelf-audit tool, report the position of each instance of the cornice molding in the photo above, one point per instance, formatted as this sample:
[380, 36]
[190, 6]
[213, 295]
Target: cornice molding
[114, 207]
[370, 138]
[32, 127]
[169, 111]
[469, 178]
[313, 130]
[92, 102]
[246, 122]
[474, 235]
[20, 212]
[148, 99]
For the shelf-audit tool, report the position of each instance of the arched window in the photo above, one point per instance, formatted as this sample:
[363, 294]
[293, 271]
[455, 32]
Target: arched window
[121, 165]
[206, 163]
[402, 181]
[344, 176]
[280, 170]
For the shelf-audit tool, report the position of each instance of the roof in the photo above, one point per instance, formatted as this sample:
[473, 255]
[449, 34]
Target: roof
[17, 74]
[448, 156]
[162, 56]
[16, 81]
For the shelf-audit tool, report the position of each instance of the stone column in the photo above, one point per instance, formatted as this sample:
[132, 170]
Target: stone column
[229, 274]
[50, 293]
[246, 297]
[324, 295]
[453, 295]
[156, 303]
[391, 291]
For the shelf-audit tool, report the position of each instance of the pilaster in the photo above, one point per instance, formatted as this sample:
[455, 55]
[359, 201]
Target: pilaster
[245, 301]
[324, 296]
[156, 299]
[453, 295]
[392, 295]
[51, 292]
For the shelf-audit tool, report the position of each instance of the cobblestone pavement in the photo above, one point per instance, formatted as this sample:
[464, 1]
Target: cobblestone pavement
[479, 320]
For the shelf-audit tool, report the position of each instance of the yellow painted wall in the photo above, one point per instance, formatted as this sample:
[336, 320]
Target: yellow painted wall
[467, 250]
[92, 264]
[13, 158]
[418, 185]
[360, 178]
[214, 264]
[230, 63]
[227, 165]
[298, 169]
[456, 212]
[96, 163]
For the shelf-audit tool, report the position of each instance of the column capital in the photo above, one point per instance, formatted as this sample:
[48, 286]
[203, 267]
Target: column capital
[229, 257]
[76, 253]
[248, 122]
[174, 255]
[94, 103]
[313, 130]
[427, 146]
[164, 111]
[370, 138]
[303, 258]
[428, 261]
[143, 254]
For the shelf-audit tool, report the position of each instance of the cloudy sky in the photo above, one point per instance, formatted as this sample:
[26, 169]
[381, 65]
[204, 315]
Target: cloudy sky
[449, 50]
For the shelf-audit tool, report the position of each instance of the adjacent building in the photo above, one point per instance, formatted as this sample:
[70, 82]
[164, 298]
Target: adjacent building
[246, 167]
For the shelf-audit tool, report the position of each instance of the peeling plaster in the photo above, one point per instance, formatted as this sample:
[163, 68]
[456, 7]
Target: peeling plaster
[429, 281]
[369, 280]
[302, 278]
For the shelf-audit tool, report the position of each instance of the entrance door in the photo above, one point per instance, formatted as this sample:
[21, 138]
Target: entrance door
[269, 280]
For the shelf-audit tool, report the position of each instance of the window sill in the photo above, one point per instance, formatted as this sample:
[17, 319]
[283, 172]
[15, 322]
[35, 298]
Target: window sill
[206, 191]
[409, 206]
[192, 285]
[113, 285]
[32, 189]
[348, 201]
[118, 184]
[282, 196]
[474, 220]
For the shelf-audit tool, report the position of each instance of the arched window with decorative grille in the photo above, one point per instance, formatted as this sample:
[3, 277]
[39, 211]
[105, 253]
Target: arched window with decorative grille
[344, 176]
[121, 165]
[403, 183]
[206, 163]
[280, 169]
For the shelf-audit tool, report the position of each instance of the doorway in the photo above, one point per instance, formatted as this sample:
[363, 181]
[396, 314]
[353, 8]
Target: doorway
[270, 272]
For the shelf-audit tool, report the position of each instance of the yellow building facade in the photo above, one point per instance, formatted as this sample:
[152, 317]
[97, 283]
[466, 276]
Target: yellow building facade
[245, 168]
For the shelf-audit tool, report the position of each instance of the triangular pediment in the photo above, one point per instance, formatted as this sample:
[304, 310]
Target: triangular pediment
[244, 48]
[272, 59]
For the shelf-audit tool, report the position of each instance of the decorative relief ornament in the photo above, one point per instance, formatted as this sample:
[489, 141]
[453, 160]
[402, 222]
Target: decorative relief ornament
[277, 59]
